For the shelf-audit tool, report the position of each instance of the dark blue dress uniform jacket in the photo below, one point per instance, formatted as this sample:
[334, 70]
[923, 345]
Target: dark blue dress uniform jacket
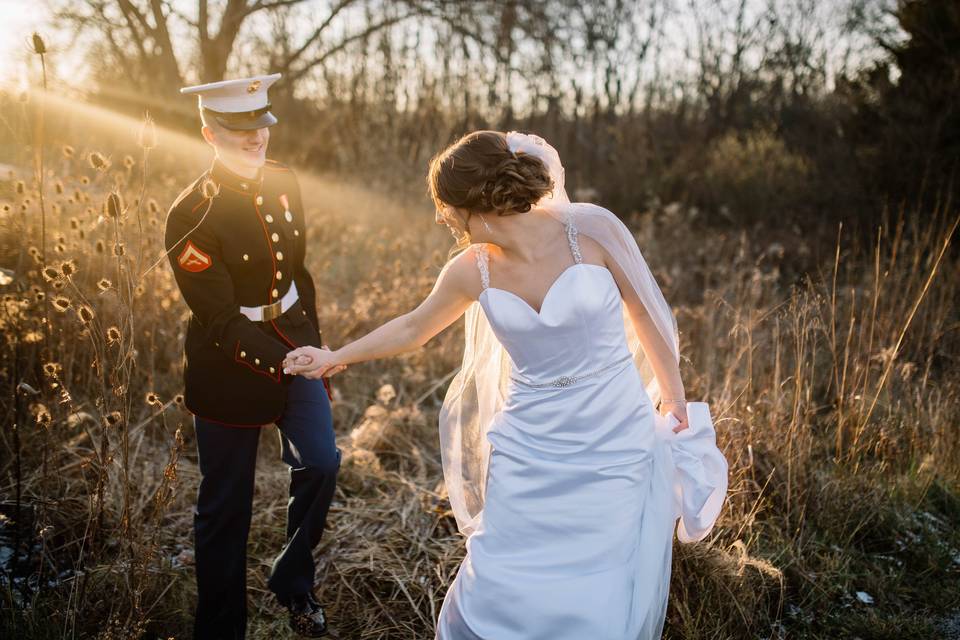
[235, 242]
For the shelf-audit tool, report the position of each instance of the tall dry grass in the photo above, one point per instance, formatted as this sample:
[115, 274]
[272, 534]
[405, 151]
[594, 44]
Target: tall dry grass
[835, 393]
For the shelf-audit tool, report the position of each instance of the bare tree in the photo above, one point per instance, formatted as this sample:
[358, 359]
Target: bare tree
[617, 36]
[140, 35]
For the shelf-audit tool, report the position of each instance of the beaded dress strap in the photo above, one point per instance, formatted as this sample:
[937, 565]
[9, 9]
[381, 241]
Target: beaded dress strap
[483, 264]
[572, 238]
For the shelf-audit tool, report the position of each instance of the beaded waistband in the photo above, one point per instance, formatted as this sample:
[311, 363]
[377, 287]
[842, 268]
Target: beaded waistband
[566, 381]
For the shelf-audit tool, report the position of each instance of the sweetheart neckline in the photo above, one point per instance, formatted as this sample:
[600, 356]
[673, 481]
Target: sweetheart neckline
[546, 296]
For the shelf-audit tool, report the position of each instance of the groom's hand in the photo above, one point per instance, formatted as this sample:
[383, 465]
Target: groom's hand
[311, 362]
[301, 361]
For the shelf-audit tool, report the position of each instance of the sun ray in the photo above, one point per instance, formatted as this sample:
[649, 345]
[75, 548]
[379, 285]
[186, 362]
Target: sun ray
[331, 195]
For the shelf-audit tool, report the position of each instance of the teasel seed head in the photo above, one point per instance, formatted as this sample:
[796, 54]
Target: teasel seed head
[98, 162]
[85, 313]
[61, 303]
[39, 47]
[210, 189]
[113, 207]
[42, 414]
[68, 268]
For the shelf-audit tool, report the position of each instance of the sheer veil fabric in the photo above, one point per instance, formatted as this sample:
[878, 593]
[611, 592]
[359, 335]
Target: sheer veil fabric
[477, 392]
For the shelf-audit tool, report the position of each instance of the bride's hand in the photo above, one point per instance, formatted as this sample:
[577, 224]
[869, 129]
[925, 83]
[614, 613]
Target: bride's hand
[679, 411]
[311, 362]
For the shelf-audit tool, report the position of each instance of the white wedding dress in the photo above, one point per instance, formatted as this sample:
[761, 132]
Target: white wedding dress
[585, 480]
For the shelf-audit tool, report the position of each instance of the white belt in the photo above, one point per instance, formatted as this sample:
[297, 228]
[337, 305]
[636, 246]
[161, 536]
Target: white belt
[566, 381]
[272, 311]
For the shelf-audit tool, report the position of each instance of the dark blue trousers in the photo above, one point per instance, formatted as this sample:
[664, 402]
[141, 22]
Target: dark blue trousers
[221, 521]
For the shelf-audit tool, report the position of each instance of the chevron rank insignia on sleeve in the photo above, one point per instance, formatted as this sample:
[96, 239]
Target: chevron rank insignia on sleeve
[193, 259]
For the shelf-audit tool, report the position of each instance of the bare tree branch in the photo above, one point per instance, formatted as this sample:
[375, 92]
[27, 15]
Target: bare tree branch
[343, 44]
[336, 10]
[260, 5]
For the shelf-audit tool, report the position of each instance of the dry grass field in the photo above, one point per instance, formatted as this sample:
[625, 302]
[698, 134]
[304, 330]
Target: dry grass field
[831, 370]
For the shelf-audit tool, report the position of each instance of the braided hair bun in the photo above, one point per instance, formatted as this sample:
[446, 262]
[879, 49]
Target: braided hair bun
[479, 173]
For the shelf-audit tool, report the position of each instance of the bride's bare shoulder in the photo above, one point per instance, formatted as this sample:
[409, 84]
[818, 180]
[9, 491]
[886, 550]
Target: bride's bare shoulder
[463, 271]
[465, 261]
[591, 250]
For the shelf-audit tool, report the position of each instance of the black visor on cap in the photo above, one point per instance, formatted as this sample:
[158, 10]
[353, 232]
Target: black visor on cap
[244, 120]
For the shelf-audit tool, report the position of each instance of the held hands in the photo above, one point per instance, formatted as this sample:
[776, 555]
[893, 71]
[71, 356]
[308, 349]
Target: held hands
[311, 362]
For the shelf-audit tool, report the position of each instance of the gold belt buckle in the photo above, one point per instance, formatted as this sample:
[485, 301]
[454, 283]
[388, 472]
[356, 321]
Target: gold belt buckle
[272, 311]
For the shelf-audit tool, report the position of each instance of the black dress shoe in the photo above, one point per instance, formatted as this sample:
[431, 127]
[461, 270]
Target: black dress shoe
[306, 615]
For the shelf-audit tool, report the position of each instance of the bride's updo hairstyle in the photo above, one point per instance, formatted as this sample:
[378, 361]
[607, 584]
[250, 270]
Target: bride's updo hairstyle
[479, 173]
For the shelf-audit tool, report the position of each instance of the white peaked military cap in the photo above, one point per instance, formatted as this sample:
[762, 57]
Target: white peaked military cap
[237, 104]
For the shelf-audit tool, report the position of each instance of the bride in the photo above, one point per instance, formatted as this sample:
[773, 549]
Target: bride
[569, 450]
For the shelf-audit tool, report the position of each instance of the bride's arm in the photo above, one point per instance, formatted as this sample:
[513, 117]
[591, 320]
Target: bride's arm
[457, 286]
[658, 352]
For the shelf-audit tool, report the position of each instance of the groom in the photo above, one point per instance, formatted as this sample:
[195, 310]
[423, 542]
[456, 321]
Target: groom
[235, 239]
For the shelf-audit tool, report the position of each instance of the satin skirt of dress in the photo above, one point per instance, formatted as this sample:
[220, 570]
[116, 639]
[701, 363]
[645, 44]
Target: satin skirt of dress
[575, 536]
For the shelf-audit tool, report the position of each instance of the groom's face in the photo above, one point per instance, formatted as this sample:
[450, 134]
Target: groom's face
[245, 148]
